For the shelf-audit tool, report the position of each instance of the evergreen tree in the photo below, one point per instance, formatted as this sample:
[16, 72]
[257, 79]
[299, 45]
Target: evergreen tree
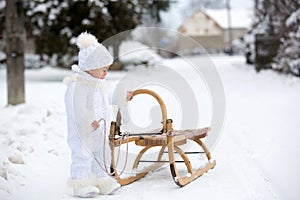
[280, 17]
[288, 57]
[154, 8]
[54, 24]
[123, 15]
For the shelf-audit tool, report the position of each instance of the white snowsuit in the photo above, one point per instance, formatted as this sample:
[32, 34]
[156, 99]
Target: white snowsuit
[88, 99]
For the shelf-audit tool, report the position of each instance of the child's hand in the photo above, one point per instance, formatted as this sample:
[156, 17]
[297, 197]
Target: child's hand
[95, 125]
[129, 95]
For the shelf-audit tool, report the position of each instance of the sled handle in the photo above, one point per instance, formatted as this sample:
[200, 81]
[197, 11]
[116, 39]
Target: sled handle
[159, 100]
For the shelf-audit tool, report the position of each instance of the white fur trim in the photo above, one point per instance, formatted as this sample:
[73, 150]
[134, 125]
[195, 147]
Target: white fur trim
[81, 183]
[107, 185]
[69, 79]
[87, 79]
[125, 115]
[120, 96]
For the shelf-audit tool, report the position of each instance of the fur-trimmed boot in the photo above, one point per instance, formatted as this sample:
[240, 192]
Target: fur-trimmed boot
[107, 185]
[84, 188]
[86, 192]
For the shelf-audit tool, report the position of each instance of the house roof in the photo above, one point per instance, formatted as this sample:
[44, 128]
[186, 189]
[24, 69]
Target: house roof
[200, 24]
[240, 18]
[212, 21]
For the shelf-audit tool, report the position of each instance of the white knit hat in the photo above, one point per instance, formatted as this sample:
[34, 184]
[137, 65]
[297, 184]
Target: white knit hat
[92, 54]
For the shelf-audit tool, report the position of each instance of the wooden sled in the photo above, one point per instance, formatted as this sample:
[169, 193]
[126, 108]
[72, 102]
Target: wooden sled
[169, 140]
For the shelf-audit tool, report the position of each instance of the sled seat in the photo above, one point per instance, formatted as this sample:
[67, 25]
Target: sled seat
[181, 137]
[169, 140]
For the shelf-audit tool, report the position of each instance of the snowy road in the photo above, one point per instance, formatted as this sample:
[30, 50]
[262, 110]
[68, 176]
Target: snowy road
[258, 142]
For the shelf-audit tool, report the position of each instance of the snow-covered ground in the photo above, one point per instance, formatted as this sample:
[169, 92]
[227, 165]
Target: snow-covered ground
[257, 155]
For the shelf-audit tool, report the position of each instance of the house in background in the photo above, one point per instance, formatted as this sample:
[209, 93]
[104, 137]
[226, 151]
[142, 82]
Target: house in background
[211, 30]
[204, 30]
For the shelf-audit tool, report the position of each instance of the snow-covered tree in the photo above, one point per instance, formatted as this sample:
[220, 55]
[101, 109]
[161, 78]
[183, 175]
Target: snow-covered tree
[280, 17]
[55, 23]
[288, 58]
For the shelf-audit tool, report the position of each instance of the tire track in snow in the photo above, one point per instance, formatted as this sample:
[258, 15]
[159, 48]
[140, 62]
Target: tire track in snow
[255, 183]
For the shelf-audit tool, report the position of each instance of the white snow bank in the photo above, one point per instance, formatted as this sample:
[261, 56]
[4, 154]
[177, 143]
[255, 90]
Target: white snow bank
[133, 52]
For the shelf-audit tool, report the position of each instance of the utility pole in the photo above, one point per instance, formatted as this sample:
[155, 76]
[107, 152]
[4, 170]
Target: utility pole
[15, 41]
[230, 38]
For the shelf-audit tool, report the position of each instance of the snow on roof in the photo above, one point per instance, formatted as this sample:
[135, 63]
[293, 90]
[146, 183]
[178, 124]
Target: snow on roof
[240, 18]
[2, 4]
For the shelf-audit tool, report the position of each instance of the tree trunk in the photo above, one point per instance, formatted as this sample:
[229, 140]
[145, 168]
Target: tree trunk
[116, 46]
[15, 39]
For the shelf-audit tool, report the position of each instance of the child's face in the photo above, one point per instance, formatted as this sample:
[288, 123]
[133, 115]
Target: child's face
[99, 73]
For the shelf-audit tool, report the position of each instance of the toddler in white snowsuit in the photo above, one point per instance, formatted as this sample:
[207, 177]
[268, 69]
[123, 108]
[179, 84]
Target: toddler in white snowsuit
[87, 100]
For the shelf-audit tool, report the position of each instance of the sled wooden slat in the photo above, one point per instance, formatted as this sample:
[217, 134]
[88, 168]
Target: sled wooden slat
[169, 140]
[133, 178]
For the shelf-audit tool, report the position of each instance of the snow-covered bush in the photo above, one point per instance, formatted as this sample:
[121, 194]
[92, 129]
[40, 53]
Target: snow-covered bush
[238, 46]
[32, 61]
[249, 48]
[133, 53]
[280, 17]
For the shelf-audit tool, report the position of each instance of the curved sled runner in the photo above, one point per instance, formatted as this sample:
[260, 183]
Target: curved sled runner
[168, 140]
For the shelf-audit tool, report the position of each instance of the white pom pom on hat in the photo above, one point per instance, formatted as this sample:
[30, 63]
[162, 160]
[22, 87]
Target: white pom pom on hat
[92, 54]
[85, 40]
